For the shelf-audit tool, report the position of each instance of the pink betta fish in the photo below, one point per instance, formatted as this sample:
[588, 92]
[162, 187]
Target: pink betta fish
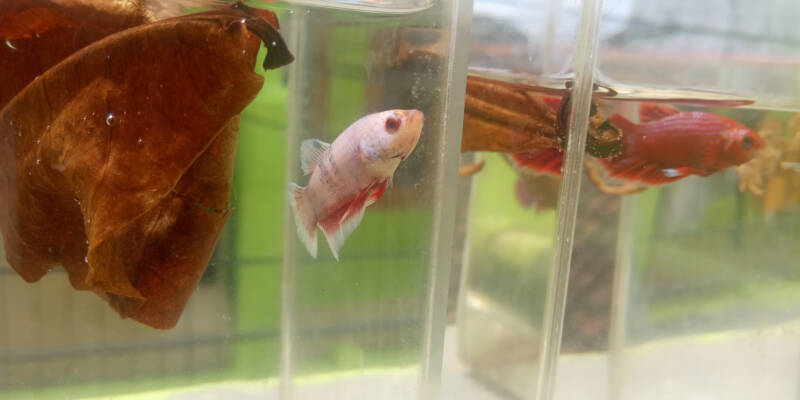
[666, 146]
[350, 174]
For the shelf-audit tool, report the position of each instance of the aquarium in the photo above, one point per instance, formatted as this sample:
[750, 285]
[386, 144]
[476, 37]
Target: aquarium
[158, 107]
[400, 199]
[668, 284]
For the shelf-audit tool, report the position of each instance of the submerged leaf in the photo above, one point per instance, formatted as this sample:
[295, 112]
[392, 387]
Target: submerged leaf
[117, 162]
[37, 34]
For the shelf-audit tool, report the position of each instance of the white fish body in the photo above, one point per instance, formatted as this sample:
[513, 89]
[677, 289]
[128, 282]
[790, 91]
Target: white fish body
[350, 174]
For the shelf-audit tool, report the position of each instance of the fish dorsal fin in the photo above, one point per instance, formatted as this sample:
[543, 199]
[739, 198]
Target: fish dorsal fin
[311, 151]
[649, 112]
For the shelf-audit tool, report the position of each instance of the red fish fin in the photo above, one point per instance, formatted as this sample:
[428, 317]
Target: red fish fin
[553, 101]
[625, 125]
[378, 191]
[651, 112]
[304, 218]
[638, 169]
[338, 227]
[546, 160]
[311, 151]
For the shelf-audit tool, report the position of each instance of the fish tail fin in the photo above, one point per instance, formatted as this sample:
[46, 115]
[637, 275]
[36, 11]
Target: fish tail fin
[632, 165]
[547, 161]
[304, 218]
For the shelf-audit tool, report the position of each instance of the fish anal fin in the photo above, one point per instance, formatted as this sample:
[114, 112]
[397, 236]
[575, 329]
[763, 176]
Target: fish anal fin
[651, 112]
[304, 218]
[339, 225]
[635, 168]
[311, 151]
[547, 161]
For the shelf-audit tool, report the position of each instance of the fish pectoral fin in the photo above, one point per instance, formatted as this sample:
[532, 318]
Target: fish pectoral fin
[652, 112]
[377, 191]
[311, 151]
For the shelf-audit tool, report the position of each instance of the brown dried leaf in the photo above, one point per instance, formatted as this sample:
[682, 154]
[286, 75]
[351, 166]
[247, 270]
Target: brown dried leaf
[503, 117]
[117, 162]
[37, 34]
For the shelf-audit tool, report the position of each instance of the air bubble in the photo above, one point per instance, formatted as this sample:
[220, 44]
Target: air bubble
[110, 119]
[10, 45]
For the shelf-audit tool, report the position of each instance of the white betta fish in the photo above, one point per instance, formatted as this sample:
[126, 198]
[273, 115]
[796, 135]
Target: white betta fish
[350, 174]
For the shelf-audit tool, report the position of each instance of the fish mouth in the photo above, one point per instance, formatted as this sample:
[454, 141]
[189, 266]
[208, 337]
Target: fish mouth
[401, 155]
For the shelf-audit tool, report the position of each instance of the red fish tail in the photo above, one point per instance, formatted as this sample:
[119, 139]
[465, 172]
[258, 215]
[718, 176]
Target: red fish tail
[304, 218]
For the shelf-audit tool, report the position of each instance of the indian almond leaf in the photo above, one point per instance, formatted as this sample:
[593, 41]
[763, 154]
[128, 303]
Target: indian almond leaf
[117, 162]
[513, 118]
[504, 117]
[37, 34]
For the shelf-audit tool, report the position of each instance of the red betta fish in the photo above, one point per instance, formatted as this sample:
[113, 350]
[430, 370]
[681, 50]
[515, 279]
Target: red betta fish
[670, 144]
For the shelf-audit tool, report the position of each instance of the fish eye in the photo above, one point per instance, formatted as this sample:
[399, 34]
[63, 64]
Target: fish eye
[747, 142]
[392, 125]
